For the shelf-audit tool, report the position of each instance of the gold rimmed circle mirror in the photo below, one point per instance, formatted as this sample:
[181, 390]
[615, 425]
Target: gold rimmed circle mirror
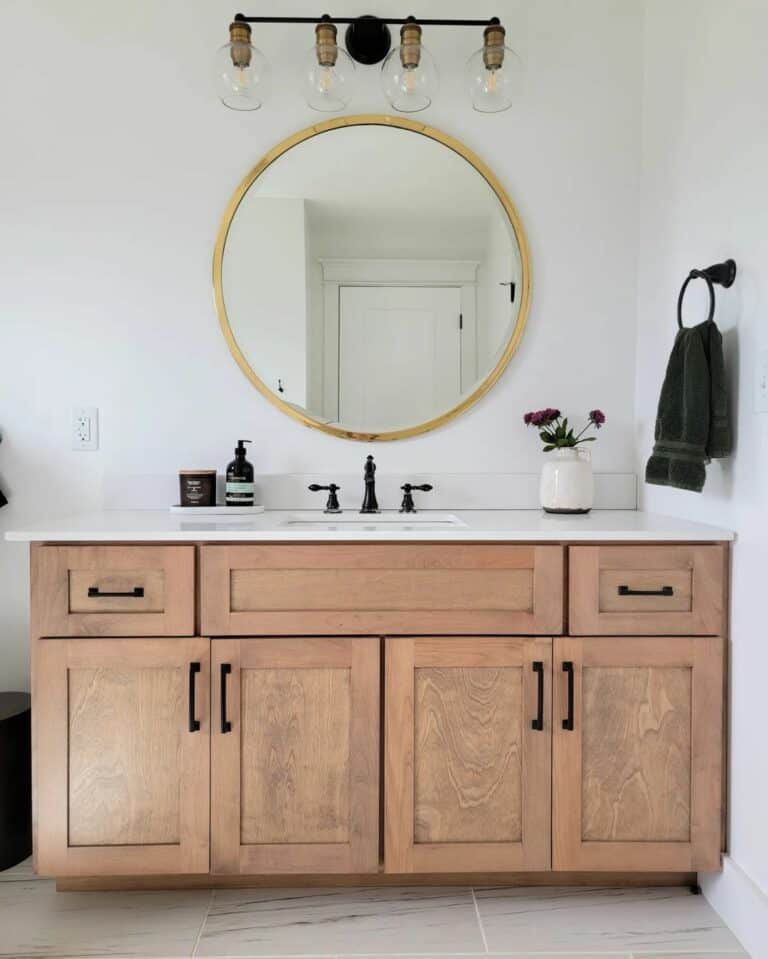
[371, 277]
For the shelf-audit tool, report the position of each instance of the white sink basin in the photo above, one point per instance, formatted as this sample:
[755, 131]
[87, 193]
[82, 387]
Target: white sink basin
[371, 521]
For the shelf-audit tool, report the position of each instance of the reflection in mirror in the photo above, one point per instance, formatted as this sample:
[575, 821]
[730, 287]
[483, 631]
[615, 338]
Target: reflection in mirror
[371, 279]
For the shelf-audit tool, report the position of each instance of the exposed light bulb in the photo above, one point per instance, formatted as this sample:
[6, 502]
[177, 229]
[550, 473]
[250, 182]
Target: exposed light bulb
[494, 72]
[329, 74]
[409, 75]
[241, 71]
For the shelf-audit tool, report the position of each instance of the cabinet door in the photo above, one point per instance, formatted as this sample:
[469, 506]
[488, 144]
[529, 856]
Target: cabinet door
[122, 756]
[638, 753]
[295, 755]
[467, 772]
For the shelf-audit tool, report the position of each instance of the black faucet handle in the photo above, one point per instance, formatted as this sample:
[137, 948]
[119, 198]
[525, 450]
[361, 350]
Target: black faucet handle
[332, 506]
[407, 506]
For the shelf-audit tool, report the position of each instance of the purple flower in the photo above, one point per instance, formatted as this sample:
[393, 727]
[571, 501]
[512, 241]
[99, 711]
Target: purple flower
[541, 417]
[597, 417]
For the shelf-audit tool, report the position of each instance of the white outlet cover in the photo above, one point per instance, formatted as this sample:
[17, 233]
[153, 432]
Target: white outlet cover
[85, 428]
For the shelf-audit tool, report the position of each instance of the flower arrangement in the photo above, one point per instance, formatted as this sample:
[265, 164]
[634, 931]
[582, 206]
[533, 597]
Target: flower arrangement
[554, 431]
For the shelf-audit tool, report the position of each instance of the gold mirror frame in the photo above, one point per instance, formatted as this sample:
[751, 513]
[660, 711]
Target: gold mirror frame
[491, 180]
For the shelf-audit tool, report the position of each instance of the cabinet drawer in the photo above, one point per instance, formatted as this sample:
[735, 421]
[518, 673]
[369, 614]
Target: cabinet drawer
[647, 590]
[113, 590]
[381, 588]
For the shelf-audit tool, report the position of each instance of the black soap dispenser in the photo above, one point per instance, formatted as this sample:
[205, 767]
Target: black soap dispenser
[239, 489]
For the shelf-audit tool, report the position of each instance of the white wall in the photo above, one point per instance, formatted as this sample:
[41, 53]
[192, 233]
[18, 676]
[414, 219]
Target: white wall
[704, 198]
[117, 164]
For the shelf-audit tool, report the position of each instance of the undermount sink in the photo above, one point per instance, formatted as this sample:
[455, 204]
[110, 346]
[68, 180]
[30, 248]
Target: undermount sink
[369, 521]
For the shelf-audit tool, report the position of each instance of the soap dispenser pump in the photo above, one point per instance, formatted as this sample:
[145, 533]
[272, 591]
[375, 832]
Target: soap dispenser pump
[240, 487]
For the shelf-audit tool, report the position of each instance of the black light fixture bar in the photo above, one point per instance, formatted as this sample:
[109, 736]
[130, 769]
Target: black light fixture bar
[393, 21]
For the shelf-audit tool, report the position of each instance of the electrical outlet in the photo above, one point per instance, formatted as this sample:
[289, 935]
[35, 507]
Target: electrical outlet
[85, 428]
[761, 382]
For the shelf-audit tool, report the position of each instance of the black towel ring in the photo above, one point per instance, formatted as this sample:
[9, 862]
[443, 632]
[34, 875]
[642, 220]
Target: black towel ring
[721, 273]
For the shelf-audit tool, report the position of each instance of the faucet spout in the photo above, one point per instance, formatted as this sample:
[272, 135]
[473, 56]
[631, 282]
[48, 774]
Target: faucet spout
[370, 503]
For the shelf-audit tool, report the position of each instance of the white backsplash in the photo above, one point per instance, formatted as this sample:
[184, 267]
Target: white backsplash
[452, 491]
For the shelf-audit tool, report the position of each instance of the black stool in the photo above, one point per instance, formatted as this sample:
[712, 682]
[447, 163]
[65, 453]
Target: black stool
[15, 779]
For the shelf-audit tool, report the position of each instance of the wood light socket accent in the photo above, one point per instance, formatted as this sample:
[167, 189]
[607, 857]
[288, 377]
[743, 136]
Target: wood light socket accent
[652, 590]
[337, 589]
[122, 781]
[295, 755]
[113, 590]
[467, 777]
[637, 780]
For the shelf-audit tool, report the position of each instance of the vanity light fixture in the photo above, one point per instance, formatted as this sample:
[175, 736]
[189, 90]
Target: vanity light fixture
[493, 72]
[409, 76]
[329, 71]
[241, 71]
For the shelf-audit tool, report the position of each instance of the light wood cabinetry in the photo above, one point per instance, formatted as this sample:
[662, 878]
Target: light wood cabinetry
[122, 756]
[407, 711]
[381, 588]
[295, 755]
[648, 590]
[637, 753]
[466, 772]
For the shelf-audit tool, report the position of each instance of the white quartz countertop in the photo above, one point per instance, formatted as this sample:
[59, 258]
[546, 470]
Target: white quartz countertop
[302, 526]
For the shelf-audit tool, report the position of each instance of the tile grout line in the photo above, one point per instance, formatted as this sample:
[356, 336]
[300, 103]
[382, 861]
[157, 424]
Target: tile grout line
[479, 920]
[202, 924]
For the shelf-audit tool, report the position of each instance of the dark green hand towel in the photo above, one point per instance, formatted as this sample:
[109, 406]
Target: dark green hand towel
[693, 423]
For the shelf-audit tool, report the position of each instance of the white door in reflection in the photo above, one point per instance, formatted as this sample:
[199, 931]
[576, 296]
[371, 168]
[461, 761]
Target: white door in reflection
[399, 354]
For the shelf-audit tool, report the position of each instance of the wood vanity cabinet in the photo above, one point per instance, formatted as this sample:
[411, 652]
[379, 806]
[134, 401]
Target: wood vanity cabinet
[328, 726]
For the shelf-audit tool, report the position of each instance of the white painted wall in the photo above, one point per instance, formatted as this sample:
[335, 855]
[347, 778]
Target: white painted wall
[704, 198]
[117, 164]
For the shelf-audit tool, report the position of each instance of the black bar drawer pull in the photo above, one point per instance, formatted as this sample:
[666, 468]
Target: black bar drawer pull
[194, 724]
[568, 721]
[226, 725]
[664, 591]
[95, 593]
[538, 722]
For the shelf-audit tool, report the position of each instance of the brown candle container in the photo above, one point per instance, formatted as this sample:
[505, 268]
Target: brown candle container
[197, 487]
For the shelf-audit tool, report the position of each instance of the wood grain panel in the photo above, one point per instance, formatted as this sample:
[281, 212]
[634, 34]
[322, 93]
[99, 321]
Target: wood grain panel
[354, 589]
[623, 770]
[467, 779]
[468, 752]
[125, 744]
[296, 780]
[381, 588]
[636, 754]
[122, 783]
[61, 576]
[295, 755]
[696, 573]
[151, 581]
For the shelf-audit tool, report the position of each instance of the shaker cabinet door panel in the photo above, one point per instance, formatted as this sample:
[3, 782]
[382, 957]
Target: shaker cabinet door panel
[122, 775]
[637, 754]
[295, 756]
[467, 774]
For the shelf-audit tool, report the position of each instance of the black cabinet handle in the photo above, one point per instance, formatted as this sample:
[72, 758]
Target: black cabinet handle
[538, 722]
[194, 724]
[95, 593]
[226, 725]
[568, 669]
[664, 591]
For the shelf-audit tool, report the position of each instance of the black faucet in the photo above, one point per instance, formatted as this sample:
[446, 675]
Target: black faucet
[370, 503]
[332, 506]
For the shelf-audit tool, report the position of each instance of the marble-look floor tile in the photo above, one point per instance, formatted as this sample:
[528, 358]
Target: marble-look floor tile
[36, 921]
[340, 921]
[601, 920]
[21, 871]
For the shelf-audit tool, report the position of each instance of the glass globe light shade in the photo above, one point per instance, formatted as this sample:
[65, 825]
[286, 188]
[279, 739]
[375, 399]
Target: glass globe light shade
[328, 86]
[409, 86]
[242, 75]
[494, 78]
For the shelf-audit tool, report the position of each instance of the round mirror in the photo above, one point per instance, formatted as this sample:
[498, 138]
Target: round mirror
[371, 277]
